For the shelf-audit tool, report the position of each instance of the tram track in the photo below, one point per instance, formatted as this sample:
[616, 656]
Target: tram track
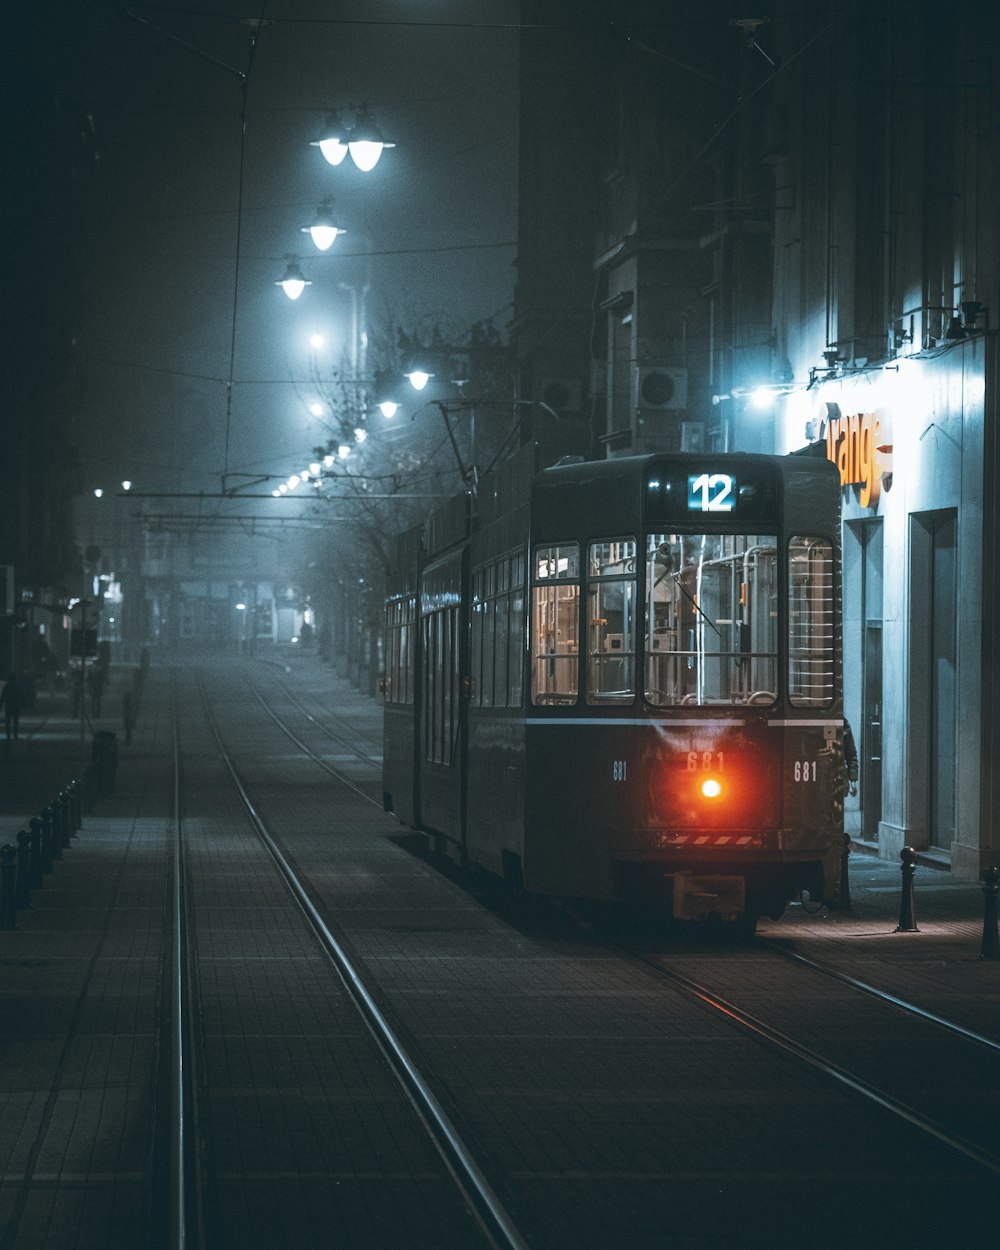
[852, 1082]
[188, 1183]
[855, 1084]
[884, 996]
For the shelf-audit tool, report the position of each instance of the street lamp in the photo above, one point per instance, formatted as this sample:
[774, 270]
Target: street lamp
[331, 139]
[366, 143]
[363, 140]
[294, 282]
[418, 378]
[323, 230]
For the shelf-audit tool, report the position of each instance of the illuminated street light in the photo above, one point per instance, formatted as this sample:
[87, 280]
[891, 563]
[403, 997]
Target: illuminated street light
[317, 409]
[762, 398]
[126, 485]
[323, 230]
[294, 282]
[388, 408]
[418, 378]
[366, 143]
[98, 492]
[360, 434]
[363, 140]
[317, 341]
[331, 141]
[343, 451]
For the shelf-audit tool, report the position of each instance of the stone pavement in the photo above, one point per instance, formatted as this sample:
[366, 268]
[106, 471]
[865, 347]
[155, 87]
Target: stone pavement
[81, 977]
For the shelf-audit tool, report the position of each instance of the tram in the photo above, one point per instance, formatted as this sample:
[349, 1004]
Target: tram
[616, 678]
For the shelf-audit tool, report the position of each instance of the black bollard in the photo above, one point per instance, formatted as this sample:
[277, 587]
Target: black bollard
[89, 787]
[907, 912]
[8, 895]
[46, 839]
[54, 810]
[65, 801]
[76, 802]
[23, 888]
[36, 851]
[990, 948]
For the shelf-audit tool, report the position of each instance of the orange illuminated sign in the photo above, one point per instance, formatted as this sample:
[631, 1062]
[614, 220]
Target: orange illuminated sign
[852, 445]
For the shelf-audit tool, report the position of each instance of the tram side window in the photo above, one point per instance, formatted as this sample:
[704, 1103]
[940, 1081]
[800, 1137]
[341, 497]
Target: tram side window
[810, 622]
[711, 619]
[555, 624]
[611, 595]
[501, 610]
[515, 636]
[398, 651]
[439, 647]
[477, 613]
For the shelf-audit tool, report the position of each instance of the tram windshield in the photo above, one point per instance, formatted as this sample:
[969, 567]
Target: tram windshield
[711, 619]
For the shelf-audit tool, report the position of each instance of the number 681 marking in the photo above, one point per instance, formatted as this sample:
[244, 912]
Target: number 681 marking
[805, 770]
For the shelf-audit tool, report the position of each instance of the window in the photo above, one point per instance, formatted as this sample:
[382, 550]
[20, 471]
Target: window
[611, 595]
[555, 613]
[810, 622]
[515, 637]
[711, 619]
[440, 600]
[399, 616]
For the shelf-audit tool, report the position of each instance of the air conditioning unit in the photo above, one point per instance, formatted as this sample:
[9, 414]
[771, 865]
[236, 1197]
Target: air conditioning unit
[661, 389]
[561, 394]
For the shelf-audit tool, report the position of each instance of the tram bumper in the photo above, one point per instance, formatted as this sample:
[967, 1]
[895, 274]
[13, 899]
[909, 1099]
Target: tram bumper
[697, 896]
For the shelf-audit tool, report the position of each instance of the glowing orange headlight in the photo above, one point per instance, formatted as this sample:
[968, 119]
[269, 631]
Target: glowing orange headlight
[711, 788]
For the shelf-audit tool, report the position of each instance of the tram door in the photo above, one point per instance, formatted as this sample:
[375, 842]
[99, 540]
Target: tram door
[933, 646]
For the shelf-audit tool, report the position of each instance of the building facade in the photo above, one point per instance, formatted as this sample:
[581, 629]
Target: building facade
[794, 246]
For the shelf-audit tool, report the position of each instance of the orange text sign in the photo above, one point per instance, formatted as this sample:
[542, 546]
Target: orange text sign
[852, 445]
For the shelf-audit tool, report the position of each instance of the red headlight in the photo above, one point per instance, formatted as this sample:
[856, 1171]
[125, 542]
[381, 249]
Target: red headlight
[711, 788]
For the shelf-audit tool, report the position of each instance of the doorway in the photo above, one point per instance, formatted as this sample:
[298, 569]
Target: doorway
[933, 651]
[869, 736]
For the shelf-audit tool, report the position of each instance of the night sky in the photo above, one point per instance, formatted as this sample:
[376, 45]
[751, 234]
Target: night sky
[431, 229]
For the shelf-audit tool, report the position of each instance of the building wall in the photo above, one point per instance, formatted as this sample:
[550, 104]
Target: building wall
[807, 203]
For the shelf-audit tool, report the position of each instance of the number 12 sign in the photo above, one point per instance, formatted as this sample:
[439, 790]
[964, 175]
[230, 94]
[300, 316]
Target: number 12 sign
[712, 492]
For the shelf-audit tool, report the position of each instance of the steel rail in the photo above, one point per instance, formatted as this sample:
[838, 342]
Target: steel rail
[486, 1208]
[883, 996]
[324, 729]
[814, 1060]
[185, 1158]
[307, 750]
